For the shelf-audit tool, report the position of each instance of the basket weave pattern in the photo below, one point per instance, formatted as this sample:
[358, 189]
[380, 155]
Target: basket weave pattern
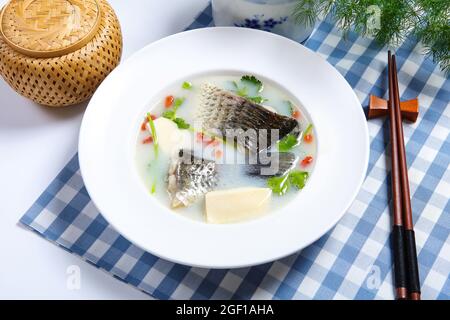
[70, 78]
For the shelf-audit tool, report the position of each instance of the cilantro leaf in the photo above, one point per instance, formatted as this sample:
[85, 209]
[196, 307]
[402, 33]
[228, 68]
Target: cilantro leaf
[181, 123]
[170, 114]
[186, 85]
[298, 178]
[279, 185]
[257, 99]
[252, 79]
[287, 143]
[240, 91]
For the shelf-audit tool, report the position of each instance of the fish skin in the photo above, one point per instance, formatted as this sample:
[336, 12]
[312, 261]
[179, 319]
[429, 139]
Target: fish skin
[189, 178]
[282, 161]
[274, 164]
[220, 110]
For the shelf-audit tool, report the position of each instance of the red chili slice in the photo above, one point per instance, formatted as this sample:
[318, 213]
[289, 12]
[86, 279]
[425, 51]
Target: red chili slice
[147, 140]
[308, 138]
[169, 101]
[144, 125]
[296, 114]
[307, 161]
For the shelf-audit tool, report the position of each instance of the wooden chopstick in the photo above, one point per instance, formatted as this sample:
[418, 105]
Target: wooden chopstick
[398, 231]
[413, 280]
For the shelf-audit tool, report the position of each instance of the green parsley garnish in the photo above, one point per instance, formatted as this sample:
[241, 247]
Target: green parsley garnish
[240, 91]
[181, 123]
[298, 178]
[257, 100]
[172, 115]
[281, 185]
[252, 79]
[243, 91]
[186, 85]
[287, 143]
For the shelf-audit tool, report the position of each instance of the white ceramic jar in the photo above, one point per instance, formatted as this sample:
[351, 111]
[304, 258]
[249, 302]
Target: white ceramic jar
[268, 15]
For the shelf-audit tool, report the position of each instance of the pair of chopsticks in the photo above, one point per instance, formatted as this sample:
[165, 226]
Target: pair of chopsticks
[407, 282]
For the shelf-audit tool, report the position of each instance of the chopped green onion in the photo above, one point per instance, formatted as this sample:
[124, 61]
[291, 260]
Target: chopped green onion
[153, 188]
[178, 102]
[153, 130]
[186, 85]
[308, 129]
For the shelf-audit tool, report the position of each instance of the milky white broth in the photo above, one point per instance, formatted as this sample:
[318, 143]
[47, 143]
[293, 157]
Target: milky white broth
[156, 173]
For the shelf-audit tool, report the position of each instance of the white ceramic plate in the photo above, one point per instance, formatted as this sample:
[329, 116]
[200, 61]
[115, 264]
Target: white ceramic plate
[108, 133]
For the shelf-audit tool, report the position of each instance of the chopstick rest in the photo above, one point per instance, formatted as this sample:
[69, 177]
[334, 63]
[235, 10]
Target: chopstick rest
[378, 107]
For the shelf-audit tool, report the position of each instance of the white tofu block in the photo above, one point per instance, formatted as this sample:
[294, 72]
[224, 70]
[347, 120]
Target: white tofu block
[233, 205]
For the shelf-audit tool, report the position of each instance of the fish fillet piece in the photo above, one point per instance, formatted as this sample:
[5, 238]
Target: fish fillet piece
[189, 178]
[232, 205]
[220, 110]
[261, 165]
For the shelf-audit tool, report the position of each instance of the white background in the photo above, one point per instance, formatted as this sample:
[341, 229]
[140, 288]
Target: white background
[35, 144]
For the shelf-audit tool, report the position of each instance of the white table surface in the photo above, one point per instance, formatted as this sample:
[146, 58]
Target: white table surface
[35, 144]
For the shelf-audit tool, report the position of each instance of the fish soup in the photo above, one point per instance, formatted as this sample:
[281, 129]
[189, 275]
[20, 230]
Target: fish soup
[225, 148]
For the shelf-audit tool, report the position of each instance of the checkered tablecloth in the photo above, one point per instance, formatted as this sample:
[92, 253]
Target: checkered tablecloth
[351, 261]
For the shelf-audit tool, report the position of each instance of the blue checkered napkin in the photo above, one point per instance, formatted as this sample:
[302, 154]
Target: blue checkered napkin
[351, 261]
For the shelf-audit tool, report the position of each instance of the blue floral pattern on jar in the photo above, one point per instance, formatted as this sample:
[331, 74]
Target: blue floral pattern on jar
[259, 22]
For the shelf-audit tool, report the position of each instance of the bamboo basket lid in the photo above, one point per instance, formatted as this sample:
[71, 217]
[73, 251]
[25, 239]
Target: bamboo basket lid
[57, 52]
[49, 28]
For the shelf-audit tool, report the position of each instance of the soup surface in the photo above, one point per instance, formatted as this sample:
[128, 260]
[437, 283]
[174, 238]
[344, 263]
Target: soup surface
[191, 155]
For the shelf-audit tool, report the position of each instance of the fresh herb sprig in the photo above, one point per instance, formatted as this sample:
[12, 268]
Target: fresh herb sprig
[281, 185]
[425, 20]
[242, 91]
[252, 79]
[172, 114]
[287, 143]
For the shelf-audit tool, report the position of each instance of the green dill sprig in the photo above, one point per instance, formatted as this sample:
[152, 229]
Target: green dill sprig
[426, 20]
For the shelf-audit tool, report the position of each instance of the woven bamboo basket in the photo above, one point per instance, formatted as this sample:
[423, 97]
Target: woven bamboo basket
[57, 52]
